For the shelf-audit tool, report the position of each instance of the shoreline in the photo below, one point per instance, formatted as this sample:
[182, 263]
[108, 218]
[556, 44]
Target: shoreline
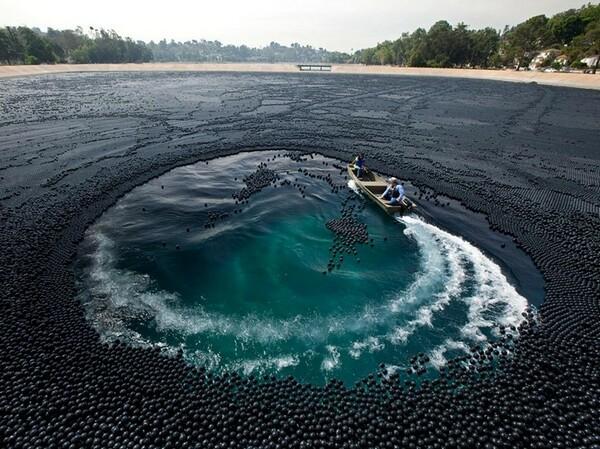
[575, 80]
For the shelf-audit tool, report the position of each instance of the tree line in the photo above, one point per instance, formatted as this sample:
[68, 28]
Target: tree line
[574, 34]
[215, 51]
[22, 45]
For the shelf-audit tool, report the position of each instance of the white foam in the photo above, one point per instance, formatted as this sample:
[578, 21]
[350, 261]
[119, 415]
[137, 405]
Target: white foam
[260, 365]
[492, 289]
[443, 260]
[352, 186]
[432, 270]
[391, 369]
[437, 355]
[207, 358]
[331, 361]
[370, 344]
[441, 278]
[118, 296]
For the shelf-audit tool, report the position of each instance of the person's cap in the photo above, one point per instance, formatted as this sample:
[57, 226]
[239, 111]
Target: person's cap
[392, 179]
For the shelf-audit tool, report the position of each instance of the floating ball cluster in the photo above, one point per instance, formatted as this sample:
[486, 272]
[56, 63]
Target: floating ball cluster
[335, 188]
[65, 388]
[255, 182]
[213, 217]
[263, 177]
[297, 156]
[534, 174]
[349, 232]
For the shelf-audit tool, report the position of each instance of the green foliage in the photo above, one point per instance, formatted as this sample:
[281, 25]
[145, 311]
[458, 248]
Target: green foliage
[215, 51]
[485, 44]
[31, 60]
[31, 46]
[4, 46]
[81, 55]
[575, 31]
[441, 46]
[37, 48]
[590, 41]
[565, 26]
[521, 43]
[11, 46]
[579, 65]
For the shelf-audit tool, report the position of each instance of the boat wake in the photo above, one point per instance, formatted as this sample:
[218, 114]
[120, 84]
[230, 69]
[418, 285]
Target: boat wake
[468, 276]
[453, 274]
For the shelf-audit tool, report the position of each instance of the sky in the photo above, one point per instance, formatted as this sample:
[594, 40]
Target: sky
[342, 25]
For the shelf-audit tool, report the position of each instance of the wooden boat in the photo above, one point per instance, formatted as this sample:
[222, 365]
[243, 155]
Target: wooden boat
[373, 185]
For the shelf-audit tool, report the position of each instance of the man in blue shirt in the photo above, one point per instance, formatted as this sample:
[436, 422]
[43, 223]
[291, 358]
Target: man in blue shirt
[394, 192]
[359, 165]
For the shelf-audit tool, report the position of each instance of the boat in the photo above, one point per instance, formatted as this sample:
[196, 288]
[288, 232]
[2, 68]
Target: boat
[373, 185]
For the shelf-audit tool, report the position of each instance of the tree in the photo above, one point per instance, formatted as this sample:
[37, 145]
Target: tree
[37, 48]
[574, 31]
[484, 47]
[522, 41]
[416, 55]
[15, 49]
[460, 51]
[564, 27]
[65, 42]
[439, 45]
[4, 54]
[383, 53]
[591, 40]
[81, 55]
[401, 49]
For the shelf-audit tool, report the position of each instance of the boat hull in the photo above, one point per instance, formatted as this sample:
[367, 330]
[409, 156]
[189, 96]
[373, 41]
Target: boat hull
[373, 186]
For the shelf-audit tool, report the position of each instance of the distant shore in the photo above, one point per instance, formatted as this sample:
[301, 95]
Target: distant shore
[577, 80]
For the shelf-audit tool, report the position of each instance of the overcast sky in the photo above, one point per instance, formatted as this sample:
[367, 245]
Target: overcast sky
[333, 24]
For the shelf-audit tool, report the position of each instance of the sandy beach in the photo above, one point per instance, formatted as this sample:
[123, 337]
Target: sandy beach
[578, 80]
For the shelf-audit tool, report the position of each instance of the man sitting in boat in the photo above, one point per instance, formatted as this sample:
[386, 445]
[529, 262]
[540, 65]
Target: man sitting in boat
[359, 165]
[394, 194]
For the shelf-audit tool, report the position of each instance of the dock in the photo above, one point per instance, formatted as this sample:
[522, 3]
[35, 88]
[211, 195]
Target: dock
[314, 67]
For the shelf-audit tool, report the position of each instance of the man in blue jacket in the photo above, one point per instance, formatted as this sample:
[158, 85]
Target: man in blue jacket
[394, 192]
[359, 165]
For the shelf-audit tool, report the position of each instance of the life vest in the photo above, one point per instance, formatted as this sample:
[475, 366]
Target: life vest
[395, 193]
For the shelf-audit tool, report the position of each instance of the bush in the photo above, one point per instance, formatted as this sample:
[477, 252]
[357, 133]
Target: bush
[31, 60]
[80, 55]
[579, 65]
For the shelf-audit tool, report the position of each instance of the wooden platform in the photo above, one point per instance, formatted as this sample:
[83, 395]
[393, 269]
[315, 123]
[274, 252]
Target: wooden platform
[314, 67]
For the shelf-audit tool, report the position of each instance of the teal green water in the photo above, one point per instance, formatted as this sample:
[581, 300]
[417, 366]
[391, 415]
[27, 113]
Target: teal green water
[250, 293]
